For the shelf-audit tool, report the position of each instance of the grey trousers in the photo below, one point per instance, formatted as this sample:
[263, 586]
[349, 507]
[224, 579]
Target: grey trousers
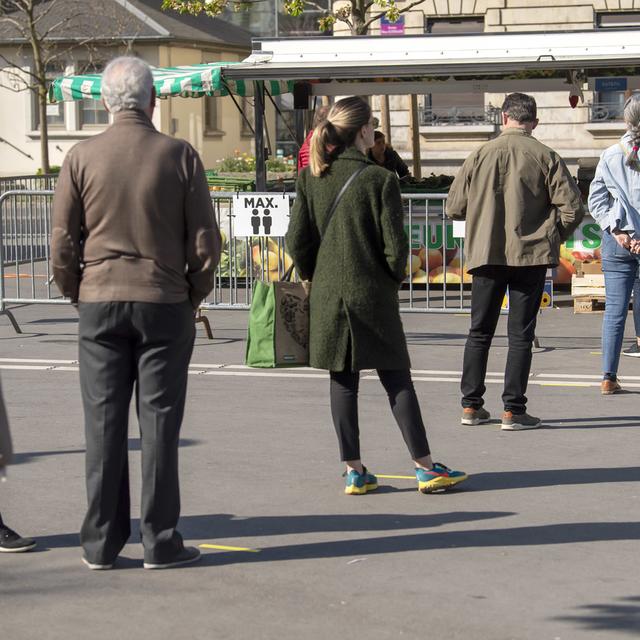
[122, 346]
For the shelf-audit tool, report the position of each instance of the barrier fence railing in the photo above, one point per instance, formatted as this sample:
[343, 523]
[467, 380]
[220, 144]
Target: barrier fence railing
[437, 281]
[29, 183]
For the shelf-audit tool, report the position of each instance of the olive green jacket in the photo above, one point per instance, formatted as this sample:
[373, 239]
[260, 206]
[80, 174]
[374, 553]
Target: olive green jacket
[357, 270]
[519, 202]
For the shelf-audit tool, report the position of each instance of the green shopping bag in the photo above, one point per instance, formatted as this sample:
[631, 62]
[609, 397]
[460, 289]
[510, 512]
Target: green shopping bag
[278, 334]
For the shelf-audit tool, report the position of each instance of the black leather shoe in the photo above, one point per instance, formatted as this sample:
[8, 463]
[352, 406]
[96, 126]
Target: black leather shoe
[186, 556]
[11, 542]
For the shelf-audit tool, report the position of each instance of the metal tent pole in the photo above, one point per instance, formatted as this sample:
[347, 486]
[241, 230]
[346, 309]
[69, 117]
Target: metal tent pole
[261, 167]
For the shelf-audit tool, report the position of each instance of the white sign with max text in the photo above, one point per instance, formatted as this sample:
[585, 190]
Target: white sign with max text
[260, 214]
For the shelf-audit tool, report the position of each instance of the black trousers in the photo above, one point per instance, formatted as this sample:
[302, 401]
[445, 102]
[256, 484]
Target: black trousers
[123, 345]
[404, 405]
[490, 283]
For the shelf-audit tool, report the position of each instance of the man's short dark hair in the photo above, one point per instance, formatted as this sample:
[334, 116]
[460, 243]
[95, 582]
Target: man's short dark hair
[520, 107]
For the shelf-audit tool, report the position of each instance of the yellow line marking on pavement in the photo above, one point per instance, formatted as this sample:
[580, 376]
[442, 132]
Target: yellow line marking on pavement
[595, 353]
[567, 384]
[274, 374]
[223, 547]
[379, 475]
[34, 360]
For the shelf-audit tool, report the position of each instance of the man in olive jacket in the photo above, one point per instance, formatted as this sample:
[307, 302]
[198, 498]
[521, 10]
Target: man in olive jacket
[135, 243]
[520, 203]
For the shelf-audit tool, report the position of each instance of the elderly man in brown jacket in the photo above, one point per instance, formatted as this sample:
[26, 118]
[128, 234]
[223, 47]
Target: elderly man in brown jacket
[135, 244]
[520, 203]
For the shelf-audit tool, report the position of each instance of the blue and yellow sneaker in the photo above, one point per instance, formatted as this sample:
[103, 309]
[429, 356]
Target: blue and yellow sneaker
[438, 478]
[357, 484]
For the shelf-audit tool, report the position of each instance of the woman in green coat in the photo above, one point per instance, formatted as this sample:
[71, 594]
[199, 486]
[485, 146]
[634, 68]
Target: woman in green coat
[356, 260]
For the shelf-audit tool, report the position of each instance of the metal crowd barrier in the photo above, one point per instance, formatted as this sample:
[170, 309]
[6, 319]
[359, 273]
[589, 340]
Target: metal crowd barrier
[438, 283]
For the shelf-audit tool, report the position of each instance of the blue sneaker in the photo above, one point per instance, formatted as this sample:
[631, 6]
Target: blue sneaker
[358, 484]
[438, 478]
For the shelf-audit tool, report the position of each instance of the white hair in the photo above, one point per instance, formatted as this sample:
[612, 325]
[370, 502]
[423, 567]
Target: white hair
[126, 84]
[632, 119]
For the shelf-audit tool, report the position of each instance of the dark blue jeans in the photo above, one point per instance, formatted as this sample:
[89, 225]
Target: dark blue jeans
[636, 306]
[620, 268]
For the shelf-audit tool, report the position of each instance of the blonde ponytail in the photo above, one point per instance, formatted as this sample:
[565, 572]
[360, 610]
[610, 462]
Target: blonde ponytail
[331, 137]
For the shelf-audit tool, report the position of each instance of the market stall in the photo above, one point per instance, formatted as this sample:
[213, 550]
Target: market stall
[569, 62]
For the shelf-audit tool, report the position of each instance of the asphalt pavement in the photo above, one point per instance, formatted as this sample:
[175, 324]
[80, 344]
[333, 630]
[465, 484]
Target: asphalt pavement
[540, 543]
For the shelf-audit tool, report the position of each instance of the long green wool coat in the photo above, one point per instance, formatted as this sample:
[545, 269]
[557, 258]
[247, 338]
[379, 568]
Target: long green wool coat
[357, 270]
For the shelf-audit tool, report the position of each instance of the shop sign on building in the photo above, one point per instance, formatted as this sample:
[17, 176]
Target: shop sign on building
[604, 85]
[388, 28]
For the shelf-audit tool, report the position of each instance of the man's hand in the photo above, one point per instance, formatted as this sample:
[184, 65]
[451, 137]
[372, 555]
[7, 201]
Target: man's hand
[622, 238]
[634, 246]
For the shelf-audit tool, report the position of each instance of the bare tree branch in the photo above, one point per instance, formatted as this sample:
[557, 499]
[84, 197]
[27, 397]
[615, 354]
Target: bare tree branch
[18, 25]
[45, 11]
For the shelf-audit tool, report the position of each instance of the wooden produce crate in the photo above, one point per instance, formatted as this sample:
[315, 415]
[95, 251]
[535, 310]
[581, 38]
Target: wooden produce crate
[587, 285]
[588, 304]
[587, 291]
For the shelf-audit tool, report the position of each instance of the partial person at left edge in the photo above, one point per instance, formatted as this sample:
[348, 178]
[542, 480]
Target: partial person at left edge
[135, 244]
[10, 541]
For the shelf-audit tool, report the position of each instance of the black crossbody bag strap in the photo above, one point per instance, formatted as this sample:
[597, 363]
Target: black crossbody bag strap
[334, 206]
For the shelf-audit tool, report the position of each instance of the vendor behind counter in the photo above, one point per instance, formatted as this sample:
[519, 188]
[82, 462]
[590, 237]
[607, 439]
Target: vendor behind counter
[382, 154]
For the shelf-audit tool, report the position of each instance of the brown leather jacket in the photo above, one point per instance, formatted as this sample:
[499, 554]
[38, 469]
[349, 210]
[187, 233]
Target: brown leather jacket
[132, 218]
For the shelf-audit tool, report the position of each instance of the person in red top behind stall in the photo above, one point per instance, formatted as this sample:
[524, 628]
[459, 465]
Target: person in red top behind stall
[303, 154]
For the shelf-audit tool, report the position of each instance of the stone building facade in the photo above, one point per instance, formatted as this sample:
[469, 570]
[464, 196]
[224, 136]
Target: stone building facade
[451, 126]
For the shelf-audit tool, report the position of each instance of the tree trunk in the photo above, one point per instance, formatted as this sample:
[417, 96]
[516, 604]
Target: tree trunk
[358, 18]
[41, 75]
[414, 128]
[385, 118]
[44, 131]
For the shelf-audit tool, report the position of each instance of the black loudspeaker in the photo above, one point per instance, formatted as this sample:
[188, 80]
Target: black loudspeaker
[301, 95]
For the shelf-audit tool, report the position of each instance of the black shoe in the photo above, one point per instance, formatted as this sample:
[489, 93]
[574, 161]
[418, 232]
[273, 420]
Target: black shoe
[186, 556]
[96, 566]
[633, 351]
[519, 421]
[11, 542]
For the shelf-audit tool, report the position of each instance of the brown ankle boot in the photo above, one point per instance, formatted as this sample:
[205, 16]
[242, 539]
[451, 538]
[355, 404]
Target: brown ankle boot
[609, 387]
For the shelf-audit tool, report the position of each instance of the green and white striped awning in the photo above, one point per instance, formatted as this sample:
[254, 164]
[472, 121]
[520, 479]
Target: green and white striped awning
[193, 81]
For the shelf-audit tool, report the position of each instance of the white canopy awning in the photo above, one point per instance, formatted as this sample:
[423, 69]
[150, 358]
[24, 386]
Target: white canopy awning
[388, 57]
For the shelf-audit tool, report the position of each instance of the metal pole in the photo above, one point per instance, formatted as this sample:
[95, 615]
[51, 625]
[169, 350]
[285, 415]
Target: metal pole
[276, 6]
[299, 125]
[415, 137]
[261, 167]
[385, 119]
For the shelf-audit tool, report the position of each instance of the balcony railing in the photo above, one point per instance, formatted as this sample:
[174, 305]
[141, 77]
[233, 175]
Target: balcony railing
[605, 111]
[442, 116]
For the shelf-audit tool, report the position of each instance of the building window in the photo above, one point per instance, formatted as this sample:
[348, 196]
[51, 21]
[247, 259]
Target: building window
[93, 112]
[247, 110]
[455, 108]
[618, 19]
[55, 112]
[211, 119]
[610, 93]
[286, 145]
